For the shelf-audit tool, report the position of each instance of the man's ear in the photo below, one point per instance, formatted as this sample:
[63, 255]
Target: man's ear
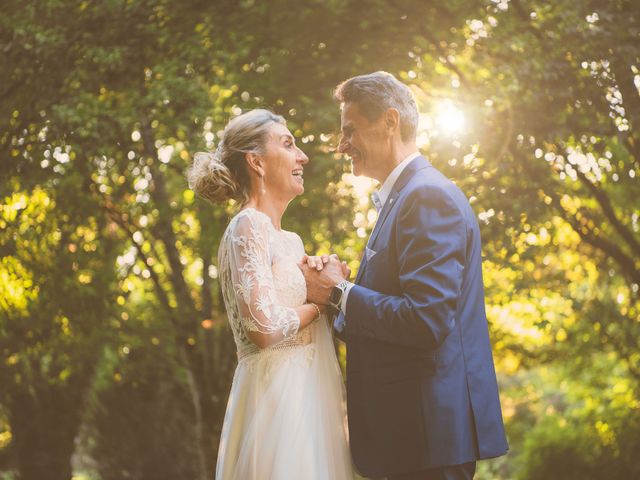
[392, 119]
[255, 163]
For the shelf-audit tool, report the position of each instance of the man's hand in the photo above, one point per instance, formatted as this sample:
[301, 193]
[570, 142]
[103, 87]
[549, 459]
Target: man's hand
[321, 280]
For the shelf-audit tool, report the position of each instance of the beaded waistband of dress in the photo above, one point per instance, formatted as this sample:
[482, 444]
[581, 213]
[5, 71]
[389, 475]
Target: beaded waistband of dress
[300, 339]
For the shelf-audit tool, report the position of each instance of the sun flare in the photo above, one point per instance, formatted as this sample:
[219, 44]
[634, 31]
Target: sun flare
[444, 120]
[450, 119]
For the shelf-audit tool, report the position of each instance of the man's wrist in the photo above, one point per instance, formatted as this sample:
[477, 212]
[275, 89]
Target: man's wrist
[345, 296]
[336, 294]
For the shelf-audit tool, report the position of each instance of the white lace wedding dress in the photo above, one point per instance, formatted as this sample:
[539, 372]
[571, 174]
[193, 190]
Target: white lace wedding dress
[285, 416]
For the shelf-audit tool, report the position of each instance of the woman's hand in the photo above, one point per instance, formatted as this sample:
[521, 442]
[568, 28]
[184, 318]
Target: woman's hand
[322, 307]
[318, 262]
[346, 270]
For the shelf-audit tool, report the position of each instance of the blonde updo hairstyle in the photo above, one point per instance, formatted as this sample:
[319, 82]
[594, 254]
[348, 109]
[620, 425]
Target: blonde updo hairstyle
[224, 174]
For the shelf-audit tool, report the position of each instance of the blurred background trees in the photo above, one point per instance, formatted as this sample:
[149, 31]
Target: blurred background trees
[115, 357]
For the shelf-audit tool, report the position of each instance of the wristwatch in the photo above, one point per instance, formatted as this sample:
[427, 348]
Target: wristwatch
[335, 296]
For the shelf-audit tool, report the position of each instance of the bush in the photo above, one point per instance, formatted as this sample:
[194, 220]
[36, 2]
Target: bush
[584, 448]
[142, 425]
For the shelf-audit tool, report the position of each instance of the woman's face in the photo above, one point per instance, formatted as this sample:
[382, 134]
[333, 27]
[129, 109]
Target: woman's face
[283, 164]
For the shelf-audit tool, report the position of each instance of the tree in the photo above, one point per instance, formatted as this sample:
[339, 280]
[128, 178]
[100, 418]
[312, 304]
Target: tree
[101, 114]
[58, 273]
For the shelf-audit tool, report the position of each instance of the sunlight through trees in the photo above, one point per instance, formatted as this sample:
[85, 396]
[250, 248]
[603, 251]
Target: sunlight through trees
[115, 355]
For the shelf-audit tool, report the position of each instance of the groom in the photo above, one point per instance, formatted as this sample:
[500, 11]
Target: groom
[421, 386]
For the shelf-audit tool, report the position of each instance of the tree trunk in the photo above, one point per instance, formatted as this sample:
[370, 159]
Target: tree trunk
[186, 315]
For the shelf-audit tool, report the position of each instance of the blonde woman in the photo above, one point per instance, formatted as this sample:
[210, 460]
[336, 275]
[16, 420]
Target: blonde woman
[285, 415]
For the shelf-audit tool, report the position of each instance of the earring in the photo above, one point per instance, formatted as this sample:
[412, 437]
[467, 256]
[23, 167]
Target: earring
[263, 189]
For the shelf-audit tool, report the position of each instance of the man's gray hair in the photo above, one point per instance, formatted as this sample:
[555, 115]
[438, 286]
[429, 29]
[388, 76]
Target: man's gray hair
[374, 93]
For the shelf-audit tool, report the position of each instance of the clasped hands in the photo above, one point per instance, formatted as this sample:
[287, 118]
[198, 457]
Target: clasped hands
[321, 274]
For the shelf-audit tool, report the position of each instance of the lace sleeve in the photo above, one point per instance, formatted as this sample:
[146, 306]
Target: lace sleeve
[250, 262]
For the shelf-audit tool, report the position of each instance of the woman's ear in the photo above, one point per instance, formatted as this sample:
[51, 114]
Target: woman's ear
[255, 163]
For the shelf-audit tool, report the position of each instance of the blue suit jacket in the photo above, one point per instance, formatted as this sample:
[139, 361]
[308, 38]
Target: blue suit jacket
[421, 385]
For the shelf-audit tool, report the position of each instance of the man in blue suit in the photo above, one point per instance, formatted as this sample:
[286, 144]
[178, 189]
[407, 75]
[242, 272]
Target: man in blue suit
[421, 386]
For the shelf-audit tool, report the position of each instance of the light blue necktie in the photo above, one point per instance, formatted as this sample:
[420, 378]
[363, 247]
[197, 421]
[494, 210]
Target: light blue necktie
[375, 198]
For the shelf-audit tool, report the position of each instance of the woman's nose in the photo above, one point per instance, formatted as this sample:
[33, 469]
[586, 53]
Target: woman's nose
[302, 157]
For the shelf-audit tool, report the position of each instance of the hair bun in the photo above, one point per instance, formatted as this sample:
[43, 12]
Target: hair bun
[224, 174]
[210, 178]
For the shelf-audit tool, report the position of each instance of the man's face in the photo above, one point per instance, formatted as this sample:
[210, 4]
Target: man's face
[366, 143]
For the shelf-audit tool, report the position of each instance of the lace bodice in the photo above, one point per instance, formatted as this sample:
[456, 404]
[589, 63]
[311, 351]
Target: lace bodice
[261, 281]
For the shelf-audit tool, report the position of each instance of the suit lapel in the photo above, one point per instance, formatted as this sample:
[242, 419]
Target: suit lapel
[414, 166]
[361, 268]
[391, 201]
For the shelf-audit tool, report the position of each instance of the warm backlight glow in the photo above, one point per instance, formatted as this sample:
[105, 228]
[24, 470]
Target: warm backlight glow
[449, 119]
[445, 120]
[362, 186]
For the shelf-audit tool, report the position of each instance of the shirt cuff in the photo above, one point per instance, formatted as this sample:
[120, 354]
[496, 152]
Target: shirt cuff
[343, 302]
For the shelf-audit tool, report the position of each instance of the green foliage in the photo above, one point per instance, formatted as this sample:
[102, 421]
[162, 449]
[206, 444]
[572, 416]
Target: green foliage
[58, 272]
[139, 420]
[104, 248]
[593, 436]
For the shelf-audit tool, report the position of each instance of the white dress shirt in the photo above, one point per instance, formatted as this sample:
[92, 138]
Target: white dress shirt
[382, 195]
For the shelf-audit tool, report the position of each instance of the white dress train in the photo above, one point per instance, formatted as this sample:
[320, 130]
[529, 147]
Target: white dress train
[286, 415]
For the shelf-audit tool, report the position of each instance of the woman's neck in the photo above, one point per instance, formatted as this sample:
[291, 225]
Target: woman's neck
[270, 207]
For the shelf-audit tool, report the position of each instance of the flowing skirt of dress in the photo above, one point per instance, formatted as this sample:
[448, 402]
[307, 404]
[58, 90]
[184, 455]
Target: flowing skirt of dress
[286, 415]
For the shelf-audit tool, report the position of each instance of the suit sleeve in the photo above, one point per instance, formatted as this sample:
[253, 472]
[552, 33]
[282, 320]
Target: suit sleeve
[430, 242]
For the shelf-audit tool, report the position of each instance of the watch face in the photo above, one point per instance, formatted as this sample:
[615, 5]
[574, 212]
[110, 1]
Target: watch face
[335, 296]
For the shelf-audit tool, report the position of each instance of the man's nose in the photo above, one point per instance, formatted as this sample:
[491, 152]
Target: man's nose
[343, 145]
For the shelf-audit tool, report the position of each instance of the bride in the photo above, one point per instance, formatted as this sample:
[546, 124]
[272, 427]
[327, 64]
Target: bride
[285, 416]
